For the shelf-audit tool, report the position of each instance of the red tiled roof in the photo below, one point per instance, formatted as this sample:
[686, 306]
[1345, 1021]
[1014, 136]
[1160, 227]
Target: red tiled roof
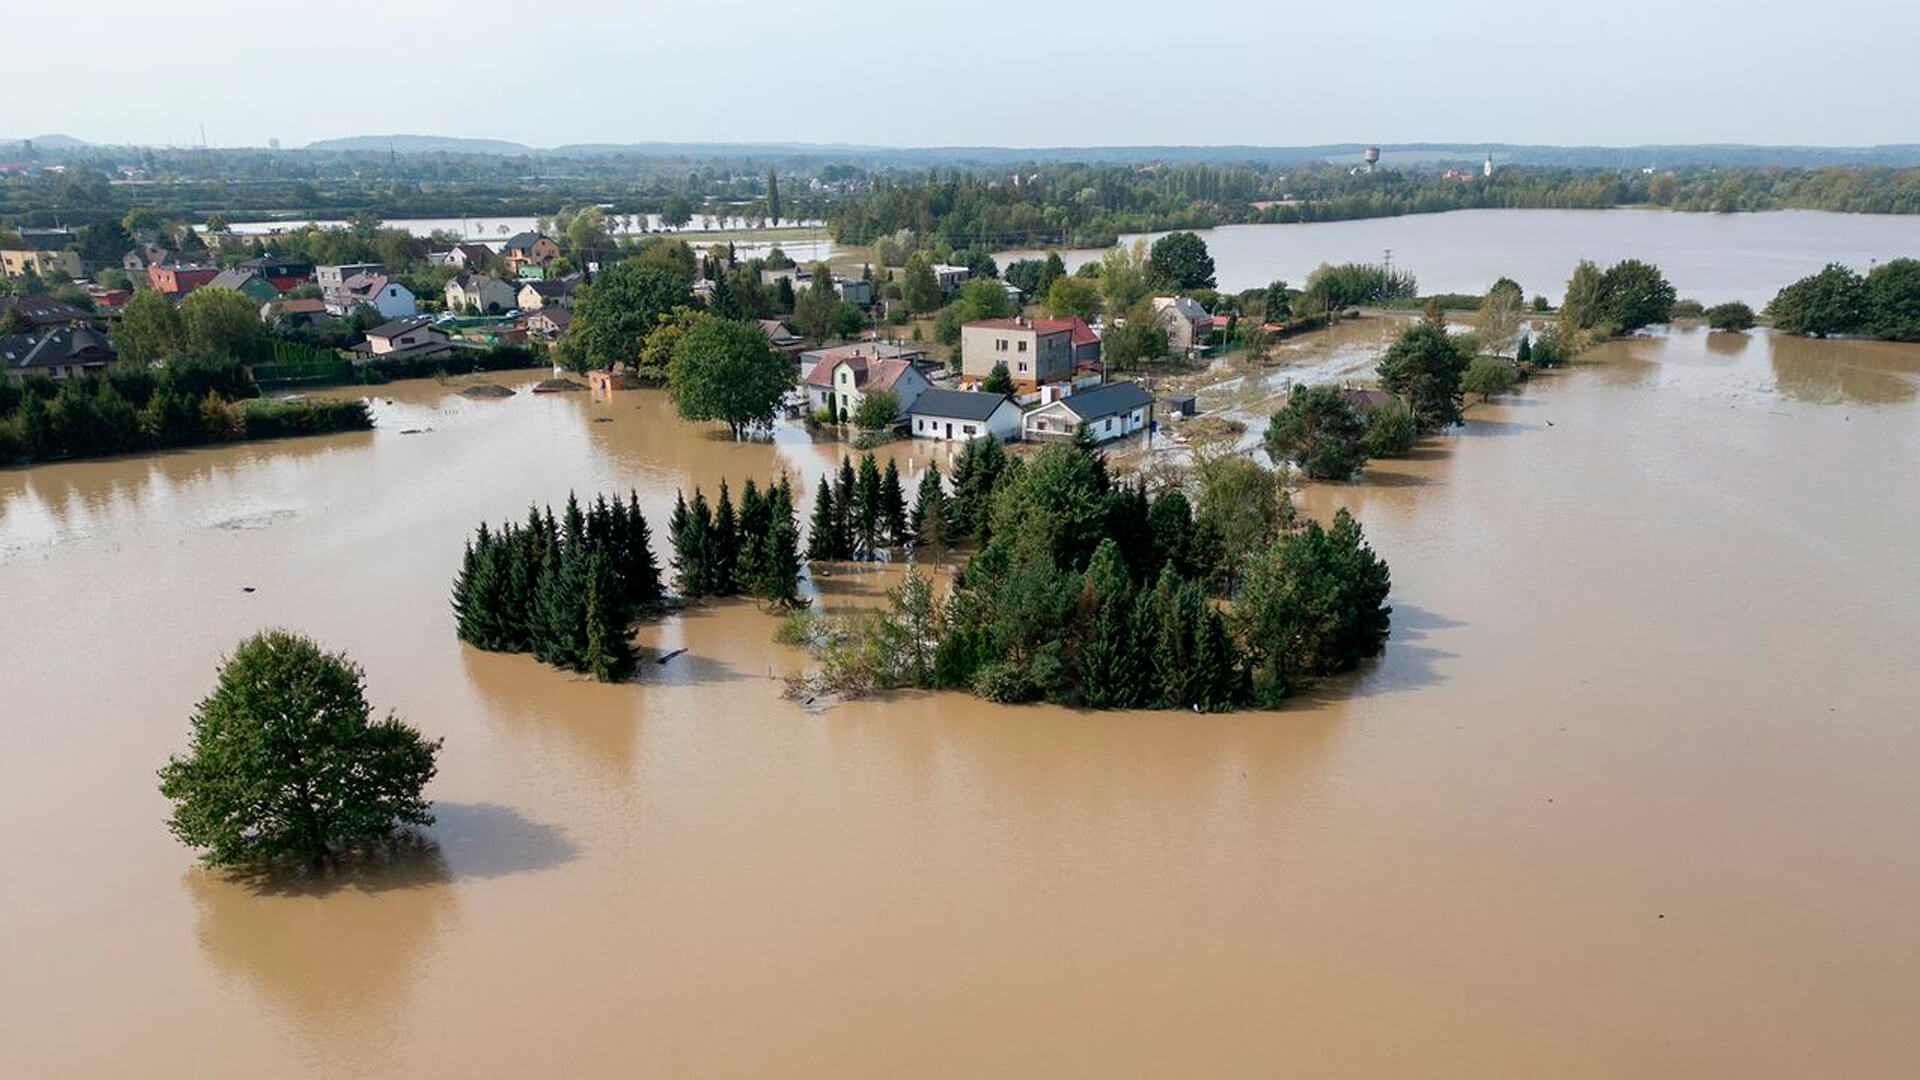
[869, 373]
[1082, 333]
[1041, 326]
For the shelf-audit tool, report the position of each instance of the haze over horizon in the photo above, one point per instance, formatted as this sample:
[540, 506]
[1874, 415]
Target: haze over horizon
[1126, 73]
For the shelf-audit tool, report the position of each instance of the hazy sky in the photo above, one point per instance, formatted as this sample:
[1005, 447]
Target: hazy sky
[1028, 73]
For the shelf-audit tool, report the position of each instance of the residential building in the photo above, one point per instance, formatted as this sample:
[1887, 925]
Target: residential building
[950, 277]
[406, 338]
[1086, 343]
[377, 291]
[34, 256]
[44, 312]
[1109, 412]
[246, 282]
[468, 257]
[529, 249]
[877, 350]
[1186, 322]
[473, 293]
[293, 312]
[61, 353]
[846, 375]
[964, 415]
[1035, 352]
[781, 336]
[176, 280]
[550, 321]
[331, 278]
[137, 260]
[284, 275]
[107, 301]
[535, 295]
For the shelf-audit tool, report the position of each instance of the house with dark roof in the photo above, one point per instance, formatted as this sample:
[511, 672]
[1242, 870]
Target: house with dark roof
[529, 249]
[290, 313]
[479, 294]
[244, 281]
[781, 336]
[284, 275]
[467, 257]
[843, 378]
[550, 321]
[403, 339]
[963, 415]
[377, 291]
[1187, 323]
[63, 353]
[1109, 412]
[44, 312]
[545, 292]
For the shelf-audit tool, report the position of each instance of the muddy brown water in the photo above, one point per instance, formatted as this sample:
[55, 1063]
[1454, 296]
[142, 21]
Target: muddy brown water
[1631, 793]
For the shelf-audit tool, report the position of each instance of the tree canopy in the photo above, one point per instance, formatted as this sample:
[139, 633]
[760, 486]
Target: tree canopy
[286, 760]
[614, 314]
[1423, 367]
[1179, 260]
[1321, 431]
[724, 369]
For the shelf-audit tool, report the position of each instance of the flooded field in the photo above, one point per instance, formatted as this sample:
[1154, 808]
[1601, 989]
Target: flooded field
[1631, 792]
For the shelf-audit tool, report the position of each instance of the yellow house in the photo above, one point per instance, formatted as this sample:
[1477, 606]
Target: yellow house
[19, 262]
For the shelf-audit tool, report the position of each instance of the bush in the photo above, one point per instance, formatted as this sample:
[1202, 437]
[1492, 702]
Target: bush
[1390, 431]
[1006, 682]
[1688, 309]
[271, 418]
[878, 409]
[1488, 376]
[1733, 316]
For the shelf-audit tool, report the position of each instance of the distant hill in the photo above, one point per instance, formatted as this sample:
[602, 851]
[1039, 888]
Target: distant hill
[422, 144]
[48, 142]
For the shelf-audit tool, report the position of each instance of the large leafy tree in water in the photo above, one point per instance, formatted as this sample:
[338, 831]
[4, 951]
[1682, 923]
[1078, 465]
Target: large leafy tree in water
[1179, 260]
[723, 369]
[622, 305]
[1424, 368]
[288, 763]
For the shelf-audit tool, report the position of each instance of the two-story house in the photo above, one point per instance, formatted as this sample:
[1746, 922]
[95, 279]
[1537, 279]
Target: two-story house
[403, 339]
[1035, 352]
[475, 294]
[843, 377]
[1187, 323]
[529, 249]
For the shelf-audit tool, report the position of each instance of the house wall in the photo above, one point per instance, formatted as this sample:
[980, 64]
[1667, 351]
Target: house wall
[1056, 421]
[1031, 357]
[41, 263]
[1004, 425]
[394, 301]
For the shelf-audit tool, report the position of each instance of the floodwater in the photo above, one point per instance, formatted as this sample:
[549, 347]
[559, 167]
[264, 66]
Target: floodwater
[1631, 792]
[1708, 257]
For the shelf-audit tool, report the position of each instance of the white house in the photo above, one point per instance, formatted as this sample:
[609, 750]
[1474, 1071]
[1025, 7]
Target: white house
[413, 336]
[378, 291]
[845, 376]
[1110, 412]
[479, 294]
[964, 416]
[949, 276]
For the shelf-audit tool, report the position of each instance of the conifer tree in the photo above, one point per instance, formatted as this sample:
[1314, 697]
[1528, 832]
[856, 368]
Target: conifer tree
[700, 547]
[685, 560]
[867, 510]
[843, 510]
[466, 612]
[723, 546]
[607, 652]
[749, 567]
[1107, 654]
[1177, 607]
[522, 555]
[931, 494]
[1219, 673]
[893, 506]
[824, 526]
[573, 525]
[640, 572]
[562, 614]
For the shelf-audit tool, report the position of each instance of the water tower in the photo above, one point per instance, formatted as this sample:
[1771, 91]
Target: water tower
[1371, 156]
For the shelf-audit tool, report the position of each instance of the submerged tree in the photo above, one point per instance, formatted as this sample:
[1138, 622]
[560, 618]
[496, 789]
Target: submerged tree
[286, 760]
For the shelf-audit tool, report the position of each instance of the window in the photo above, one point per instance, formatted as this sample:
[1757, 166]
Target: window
[966, 429]
[1023, 365]
[1023, 346]
[1000, 345]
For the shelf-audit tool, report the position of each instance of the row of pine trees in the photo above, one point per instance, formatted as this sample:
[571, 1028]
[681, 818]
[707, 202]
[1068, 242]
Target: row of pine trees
[568, 590]
[753, 551]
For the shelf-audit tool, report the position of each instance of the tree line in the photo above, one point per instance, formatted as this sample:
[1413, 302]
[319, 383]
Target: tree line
[753, 551]
[568, 590]
[1884, 303]
[133, 406]
[1092, 593]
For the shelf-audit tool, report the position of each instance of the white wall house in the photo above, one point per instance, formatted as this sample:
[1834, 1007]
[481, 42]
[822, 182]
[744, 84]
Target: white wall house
[1110, 412]
[845, 378]
[962, 416]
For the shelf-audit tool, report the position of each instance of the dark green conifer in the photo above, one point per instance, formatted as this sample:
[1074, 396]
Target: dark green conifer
[843, 510]
[867, 510]
[723, 546]
[640, 571]
[823, 530]
[607, 651]
[893, 507]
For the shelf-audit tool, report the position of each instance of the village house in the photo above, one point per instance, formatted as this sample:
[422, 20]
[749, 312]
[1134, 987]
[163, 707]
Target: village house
[964, 415]
[844, 376]
[377, 291]
[535, 295]
[1109, 412]
[331, 278]
[465, 257]
[176, 280]
[1035, 352]
[529, 249]
[62, 353]
[43, 312]
[400, 339]
[781, 336]
[1186, 322]
[1086, 343]
[950, 277]
[550, 322]
[881, 350]
[108, 301]
[35, 255]
[292, 313]
[472, 293]
[244, 281]
[138, 259]
[284, 275]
